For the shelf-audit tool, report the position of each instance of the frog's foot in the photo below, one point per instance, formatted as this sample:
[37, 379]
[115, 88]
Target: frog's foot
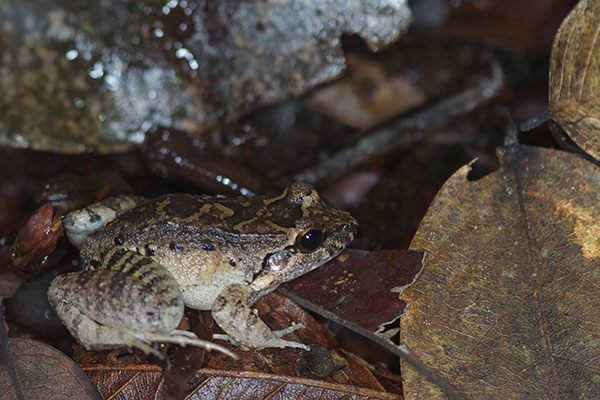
[288, 343]
[94, 335]
[183, 338]
[229, 339]
[189, 334]
[274, 342]
[243, 325]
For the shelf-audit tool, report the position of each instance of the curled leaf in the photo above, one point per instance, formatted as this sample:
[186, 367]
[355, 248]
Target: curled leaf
[575, 76]
[36, 240]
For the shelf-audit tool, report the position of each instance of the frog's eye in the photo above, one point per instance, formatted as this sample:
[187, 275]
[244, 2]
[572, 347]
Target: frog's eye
[309, 240]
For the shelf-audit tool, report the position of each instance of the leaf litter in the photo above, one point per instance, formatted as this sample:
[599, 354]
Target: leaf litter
[507, 303]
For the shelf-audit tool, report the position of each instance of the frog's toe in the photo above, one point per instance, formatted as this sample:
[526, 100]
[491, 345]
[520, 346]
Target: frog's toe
[290, 343]
[146, 348]
[185, 339]
[289, 329]
[276, 339]
[189, 334]
[229, 339]
[273, 341]
[278, 342]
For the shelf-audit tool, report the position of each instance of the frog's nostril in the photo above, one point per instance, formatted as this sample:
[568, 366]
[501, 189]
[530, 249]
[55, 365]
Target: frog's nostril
[349, 228]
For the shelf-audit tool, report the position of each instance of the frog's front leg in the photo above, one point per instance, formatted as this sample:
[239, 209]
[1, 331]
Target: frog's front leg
[232, 311]
[133, 306]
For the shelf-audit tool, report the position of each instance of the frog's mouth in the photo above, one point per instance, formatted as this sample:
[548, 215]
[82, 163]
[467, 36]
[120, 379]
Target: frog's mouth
[268, 278]
[276, 267]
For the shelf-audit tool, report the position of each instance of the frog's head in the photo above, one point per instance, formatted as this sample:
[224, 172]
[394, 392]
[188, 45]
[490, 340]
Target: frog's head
[317, 234]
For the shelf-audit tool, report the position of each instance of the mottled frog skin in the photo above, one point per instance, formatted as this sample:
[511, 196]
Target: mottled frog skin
[209, 253]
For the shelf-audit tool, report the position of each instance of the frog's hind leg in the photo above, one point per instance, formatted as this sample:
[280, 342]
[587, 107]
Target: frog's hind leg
[95, 336]
[135, 305]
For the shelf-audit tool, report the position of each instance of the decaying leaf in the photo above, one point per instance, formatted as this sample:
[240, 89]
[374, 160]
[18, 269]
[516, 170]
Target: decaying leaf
[339, 289]
[507, 303]
[575, 76]
[223, 384]
[367, 95]
[37, 371]
[174, 154]
[36, 240]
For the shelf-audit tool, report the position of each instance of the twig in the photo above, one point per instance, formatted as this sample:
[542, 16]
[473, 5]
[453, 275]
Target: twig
[407, 130]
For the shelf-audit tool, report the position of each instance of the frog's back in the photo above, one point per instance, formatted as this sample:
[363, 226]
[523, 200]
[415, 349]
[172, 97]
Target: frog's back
[186, 218]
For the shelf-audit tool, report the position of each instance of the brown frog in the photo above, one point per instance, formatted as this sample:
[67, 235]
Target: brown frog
[209, 253]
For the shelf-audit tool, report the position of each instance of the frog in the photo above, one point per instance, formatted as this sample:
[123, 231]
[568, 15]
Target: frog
[146, 259]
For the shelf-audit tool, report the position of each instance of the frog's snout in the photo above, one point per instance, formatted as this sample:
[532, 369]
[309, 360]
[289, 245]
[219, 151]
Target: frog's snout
[348, 230]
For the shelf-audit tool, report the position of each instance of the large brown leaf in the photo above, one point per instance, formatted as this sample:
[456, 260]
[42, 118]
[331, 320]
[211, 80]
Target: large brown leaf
[143, 383]
[33, 370]
[575, 76]
[359, 290]
[507, 305]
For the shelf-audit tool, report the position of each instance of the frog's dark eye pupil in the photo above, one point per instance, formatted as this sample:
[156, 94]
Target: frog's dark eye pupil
[310, 240]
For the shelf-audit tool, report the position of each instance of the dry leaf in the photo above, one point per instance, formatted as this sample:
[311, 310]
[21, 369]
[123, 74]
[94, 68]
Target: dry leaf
[41, 372]
[507, 303]
[175, 154]
[338, 290]
[68, 192]
[36, 240]
[575, 76]
[367, 95]
[223, 384]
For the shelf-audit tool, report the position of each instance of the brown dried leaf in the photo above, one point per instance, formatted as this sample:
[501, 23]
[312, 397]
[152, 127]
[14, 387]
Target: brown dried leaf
[575, 76]
[42, 372]
[507, 304]
[228, 384]
[338, 289]
[36, 239]
[366, 95]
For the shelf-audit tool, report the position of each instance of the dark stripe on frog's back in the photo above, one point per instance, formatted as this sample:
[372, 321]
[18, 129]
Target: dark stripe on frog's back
[228, 214]
[131, 263]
